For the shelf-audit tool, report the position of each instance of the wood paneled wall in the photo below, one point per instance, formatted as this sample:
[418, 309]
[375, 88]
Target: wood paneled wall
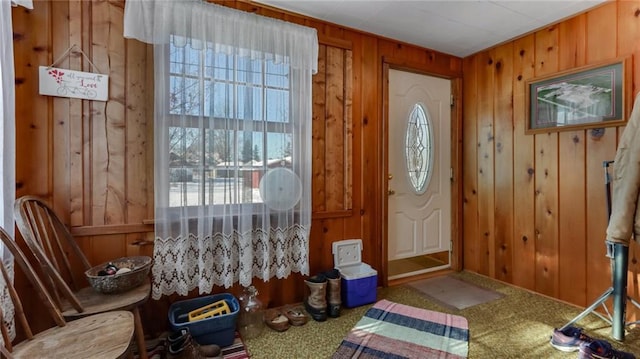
[534, 208]
[94, 160]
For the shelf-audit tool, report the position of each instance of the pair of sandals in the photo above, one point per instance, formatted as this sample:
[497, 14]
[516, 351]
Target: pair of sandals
[281, 319]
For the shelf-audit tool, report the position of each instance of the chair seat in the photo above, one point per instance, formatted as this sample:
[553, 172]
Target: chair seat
[95, 302]
[78, 339]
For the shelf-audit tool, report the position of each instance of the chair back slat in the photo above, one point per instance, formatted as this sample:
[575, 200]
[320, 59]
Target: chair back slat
[43, 294]
[48, 238]
[51, 235]
[39, 225]
[44, 232]
[33, 220]
[28, 222]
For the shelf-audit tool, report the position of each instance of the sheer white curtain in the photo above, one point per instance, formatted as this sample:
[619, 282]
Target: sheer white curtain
[232, 143]
[7, 145]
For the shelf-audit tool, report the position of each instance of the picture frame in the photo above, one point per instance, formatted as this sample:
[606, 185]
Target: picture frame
[593, 96]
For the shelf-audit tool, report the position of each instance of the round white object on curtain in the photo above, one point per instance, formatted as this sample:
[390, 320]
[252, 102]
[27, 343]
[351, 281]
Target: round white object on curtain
[280, 189]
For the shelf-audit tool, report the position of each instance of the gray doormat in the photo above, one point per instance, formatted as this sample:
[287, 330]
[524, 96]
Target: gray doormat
[454, 293]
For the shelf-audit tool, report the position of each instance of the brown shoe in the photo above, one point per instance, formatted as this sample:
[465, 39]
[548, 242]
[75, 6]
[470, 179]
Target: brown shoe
[183, 350]
[276, 320]
[296, 315]
[181, 345]
[209, 351]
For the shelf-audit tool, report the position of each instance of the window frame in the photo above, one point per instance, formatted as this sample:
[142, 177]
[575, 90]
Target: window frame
[264, 127]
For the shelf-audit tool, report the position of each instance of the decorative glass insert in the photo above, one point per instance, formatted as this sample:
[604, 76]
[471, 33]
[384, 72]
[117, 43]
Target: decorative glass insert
[419, 148]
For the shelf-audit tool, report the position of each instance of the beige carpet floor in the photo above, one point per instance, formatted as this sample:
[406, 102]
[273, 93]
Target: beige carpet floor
[518, 325]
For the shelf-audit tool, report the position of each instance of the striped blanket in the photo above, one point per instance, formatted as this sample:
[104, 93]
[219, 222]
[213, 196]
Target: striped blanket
[392, 330]
[236, 350]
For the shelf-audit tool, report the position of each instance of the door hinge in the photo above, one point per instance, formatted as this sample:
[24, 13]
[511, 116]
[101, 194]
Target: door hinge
[452, 100]
[451, 174]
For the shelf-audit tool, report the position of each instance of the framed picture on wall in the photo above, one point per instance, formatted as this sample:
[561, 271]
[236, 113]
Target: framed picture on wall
[586, 97]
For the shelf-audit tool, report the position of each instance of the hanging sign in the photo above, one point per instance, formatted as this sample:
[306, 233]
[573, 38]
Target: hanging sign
[76, 84]
[69, 83]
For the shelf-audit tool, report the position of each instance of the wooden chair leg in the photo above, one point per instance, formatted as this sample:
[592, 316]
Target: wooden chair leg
[139, 332]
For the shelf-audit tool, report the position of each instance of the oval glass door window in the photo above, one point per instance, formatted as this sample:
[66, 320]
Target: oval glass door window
[419, 148]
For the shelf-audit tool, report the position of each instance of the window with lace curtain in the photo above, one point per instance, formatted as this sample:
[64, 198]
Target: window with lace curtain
[245, 128]
[232, 143]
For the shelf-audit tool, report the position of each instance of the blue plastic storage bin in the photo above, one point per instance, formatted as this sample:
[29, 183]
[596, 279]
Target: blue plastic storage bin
[218, 330]
[359, 281]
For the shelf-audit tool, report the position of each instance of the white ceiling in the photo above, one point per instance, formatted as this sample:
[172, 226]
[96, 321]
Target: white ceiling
[456, 27]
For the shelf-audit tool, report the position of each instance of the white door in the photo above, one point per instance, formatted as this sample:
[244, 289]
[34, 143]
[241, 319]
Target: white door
[419, 165]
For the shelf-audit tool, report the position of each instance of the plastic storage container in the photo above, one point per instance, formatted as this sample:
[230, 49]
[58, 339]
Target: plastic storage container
[359, 280]
[219, 329]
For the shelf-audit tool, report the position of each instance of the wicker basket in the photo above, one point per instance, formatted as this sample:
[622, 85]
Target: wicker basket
[118, 283]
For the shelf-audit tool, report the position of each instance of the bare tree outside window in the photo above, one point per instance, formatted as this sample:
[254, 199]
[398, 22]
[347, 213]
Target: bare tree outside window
[230, 124]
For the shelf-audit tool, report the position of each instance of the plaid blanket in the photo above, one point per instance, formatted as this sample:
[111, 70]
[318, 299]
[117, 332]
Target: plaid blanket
[392, 330]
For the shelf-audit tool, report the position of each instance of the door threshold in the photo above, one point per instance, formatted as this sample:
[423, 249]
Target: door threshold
[418, 275]
[418, 272]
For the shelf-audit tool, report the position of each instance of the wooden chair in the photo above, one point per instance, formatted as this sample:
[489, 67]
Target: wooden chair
[107, 335]
[53, 246]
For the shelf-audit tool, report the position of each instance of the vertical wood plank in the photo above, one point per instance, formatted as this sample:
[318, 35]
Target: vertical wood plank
[572, 227]
[348, 129]
[33, 117]
[99, 160]
[137, 192]
[546, 178]
[76, 123]
[61, 111]
[116, 201]
[572, 280]
[628, 30]
[546, 214]
[334, 127]
[503, 118]
[458, 174]
[371, 153]
[318, 133]
[107, 124]
[486, 165]
[572, 43]
[601, 32]
[470, 213]
[353, 228]
[546, 47]
[524, 244]
[87, 119]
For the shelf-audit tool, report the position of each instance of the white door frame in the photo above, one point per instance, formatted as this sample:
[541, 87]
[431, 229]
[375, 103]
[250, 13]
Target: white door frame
[456, 163]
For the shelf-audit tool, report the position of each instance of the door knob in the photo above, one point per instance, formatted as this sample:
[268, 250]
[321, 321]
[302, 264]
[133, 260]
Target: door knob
[391, 192]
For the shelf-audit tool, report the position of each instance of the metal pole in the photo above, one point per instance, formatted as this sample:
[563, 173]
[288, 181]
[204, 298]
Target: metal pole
[620, 258]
